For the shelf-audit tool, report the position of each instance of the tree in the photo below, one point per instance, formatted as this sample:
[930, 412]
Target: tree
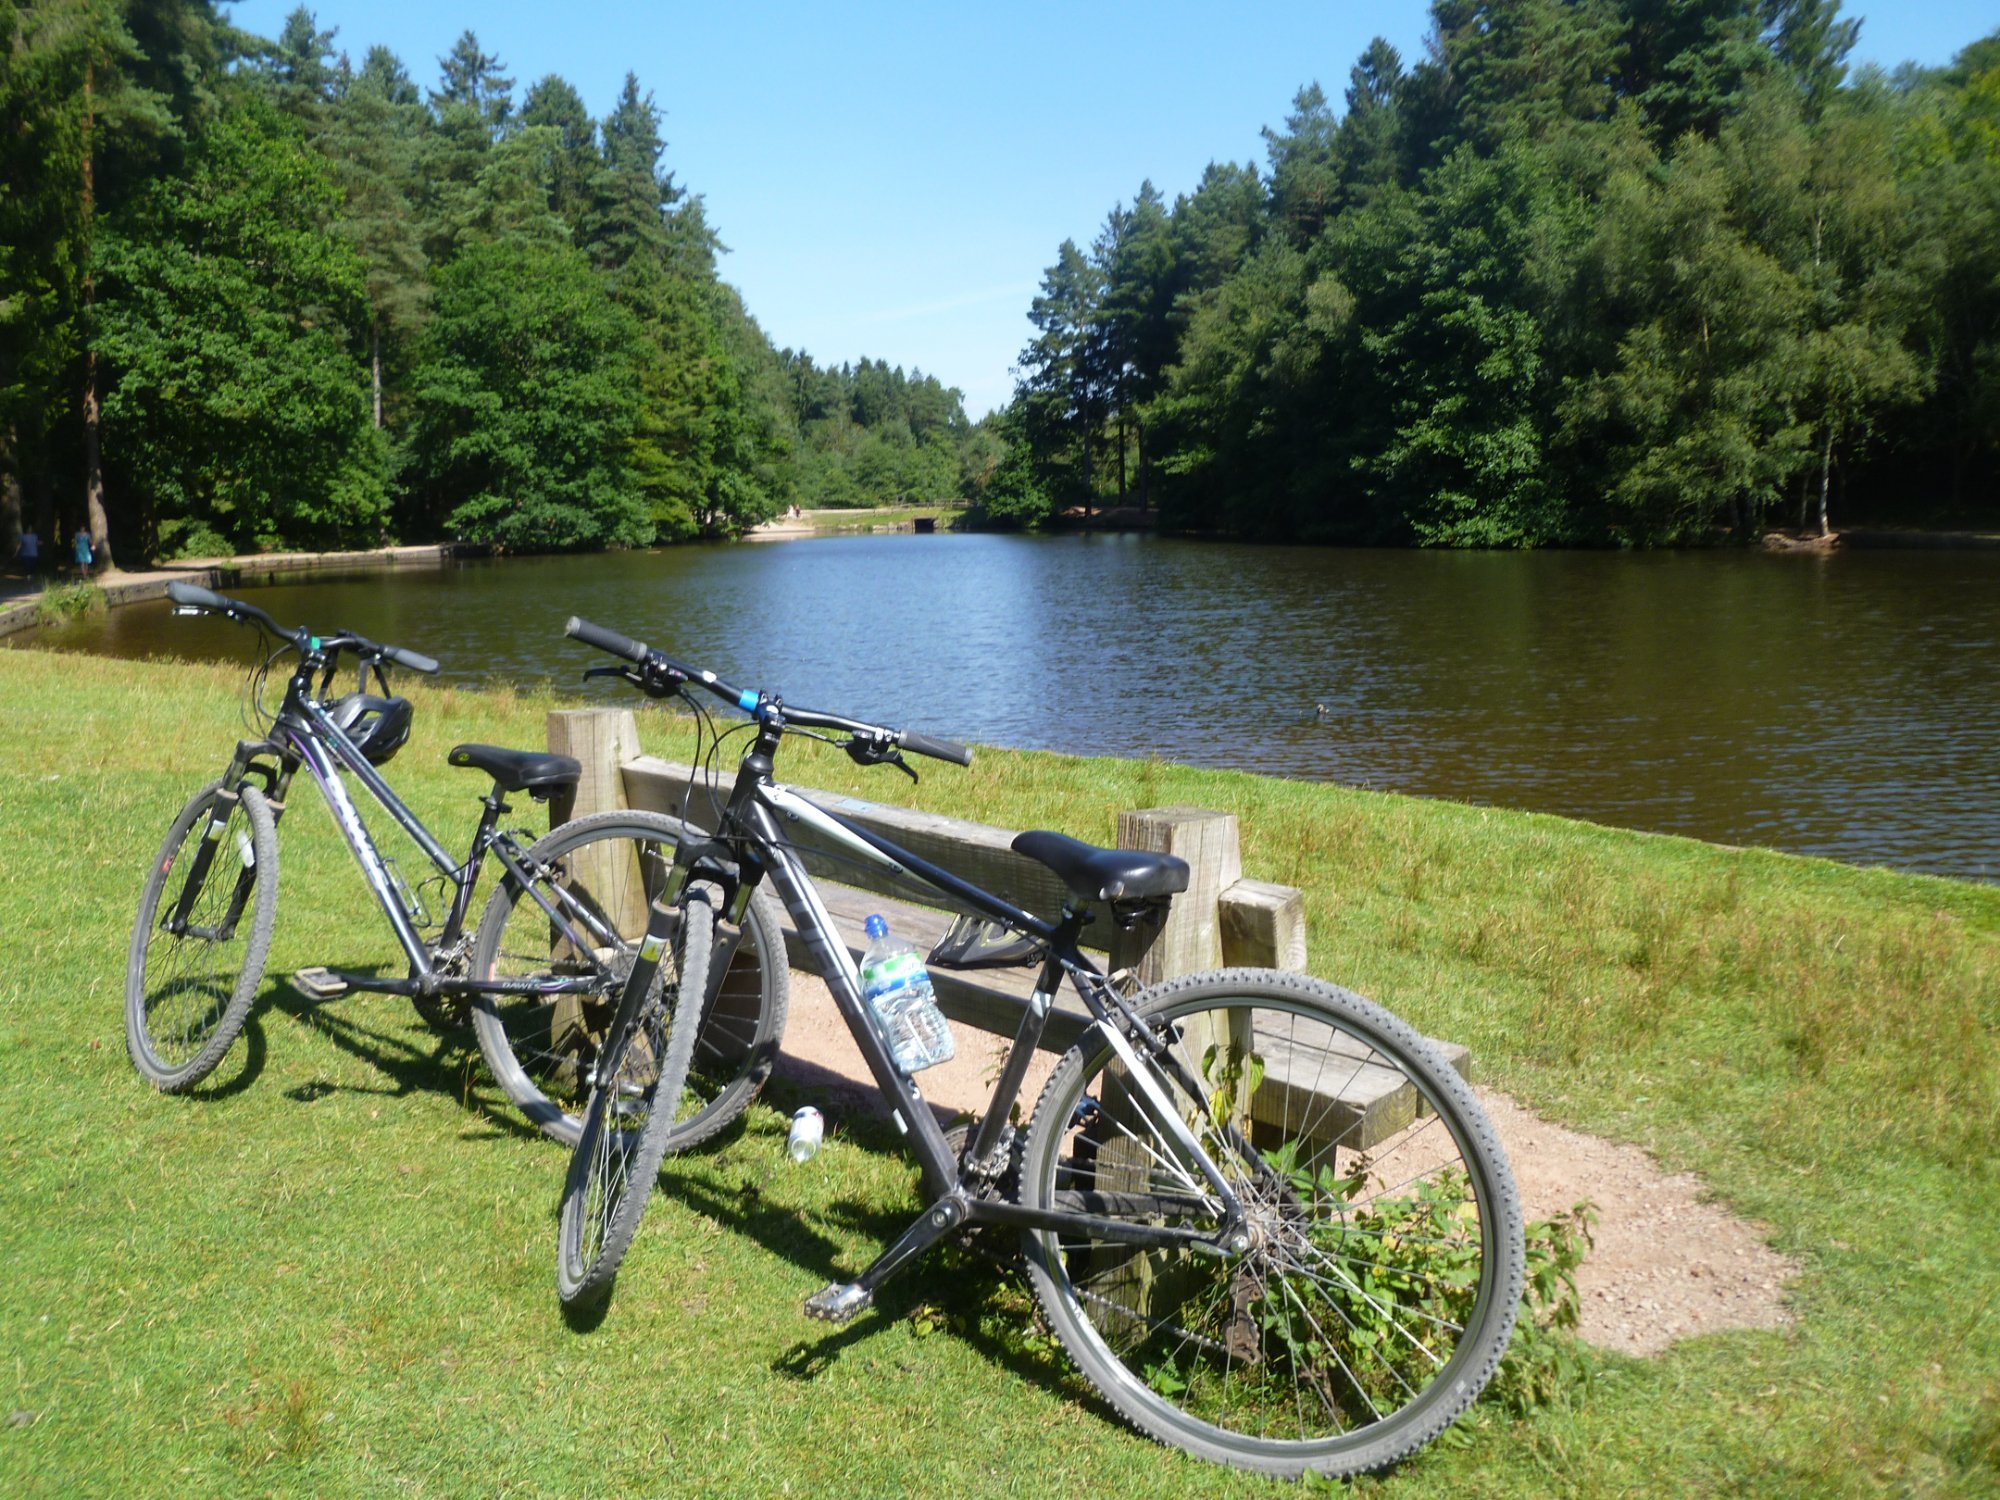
[470, 80]
[572, 162]
[525, 404]
[235, 414]
[1305, 177]
[374, 138]
[1062, 384]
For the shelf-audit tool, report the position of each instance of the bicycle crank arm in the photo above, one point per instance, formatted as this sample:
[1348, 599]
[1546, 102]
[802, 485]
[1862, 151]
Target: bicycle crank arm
[842, 1300]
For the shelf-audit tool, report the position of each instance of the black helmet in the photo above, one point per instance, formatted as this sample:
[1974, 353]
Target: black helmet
[379, 727]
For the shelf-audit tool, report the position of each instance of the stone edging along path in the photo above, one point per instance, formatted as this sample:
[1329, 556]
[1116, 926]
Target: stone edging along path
[18, 596]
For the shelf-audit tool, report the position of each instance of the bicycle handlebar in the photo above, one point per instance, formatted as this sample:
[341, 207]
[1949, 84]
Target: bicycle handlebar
[671, 675]
[193, 596]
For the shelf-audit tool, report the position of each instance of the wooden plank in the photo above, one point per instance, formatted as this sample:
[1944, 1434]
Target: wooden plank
[1264, 926]
[1357, 1106]
[986, 999]
[975, 852]
[1324, 1086]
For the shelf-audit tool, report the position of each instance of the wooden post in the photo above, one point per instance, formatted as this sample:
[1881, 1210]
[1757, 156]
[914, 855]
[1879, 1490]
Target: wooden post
[1190, 939]
[603, 739]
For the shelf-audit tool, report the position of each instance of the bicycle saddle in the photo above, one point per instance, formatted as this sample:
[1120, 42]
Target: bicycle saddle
[1105, 874]
[519, 770]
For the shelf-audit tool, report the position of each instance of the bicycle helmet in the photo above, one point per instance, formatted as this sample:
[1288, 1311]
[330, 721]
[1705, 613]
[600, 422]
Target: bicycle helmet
[379, 727]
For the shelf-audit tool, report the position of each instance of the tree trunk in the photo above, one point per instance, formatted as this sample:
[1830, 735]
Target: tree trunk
[1145, 475]
[93, 470]
[1124, 437]
[1825, 475]
[375, 365]
[1089, 485]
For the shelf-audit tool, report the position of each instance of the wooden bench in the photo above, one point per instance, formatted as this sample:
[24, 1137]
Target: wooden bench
[1223, 919]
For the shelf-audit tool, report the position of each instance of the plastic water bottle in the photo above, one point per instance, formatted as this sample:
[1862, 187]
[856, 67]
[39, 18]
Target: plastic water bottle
[808, 1129]
[898, 989]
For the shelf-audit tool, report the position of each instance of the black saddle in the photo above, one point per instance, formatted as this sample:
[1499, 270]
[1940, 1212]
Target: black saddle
[535, 771]
[1105, 874]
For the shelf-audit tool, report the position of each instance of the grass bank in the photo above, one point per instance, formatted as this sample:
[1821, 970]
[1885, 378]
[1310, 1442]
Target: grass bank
[330, 1272]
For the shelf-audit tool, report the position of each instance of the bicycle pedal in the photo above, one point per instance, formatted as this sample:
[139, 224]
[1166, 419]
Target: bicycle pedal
[838, 1302]
[318, 983]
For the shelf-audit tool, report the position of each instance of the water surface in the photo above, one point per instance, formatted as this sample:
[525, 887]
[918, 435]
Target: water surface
[1845, 705]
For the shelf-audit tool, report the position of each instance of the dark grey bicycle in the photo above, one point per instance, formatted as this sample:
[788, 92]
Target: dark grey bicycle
[570, 978]
[1248, 1260]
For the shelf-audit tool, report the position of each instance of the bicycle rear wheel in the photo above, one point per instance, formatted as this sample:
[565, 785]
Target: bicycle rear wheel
[1383, 1265]
[204, 927]
[634, 1096]
[602, 872]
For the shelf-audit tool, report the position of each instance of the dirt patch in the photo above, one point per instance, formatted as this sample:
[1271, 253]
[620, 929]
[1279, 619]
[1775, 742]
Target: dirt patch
[1667, 1264]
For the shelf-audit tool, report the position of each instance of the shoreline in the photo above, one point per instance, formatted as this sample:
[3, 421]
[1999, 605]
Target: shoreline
[19, 597]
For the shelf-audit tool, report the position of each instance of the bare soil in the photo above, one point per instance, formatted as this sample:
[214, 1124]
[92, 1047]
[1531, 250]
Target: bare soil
[1668, 1263]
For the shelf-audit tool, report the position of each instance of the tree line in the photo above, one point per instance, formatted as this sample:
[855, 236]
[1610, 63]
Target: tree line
[1591, 271]
[256, 295]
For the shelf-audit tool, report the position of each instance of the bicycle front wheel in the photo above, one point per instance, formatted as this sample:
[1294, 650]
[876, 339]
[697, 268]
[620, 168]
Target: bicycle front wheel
[602, 873]
[204, 927]
[1377, 1283]
[635, 1094]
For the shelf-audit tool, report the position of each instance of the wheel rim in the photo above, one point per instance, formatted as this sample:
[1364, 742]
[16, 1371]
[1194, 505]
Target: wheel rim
[555, 1041]
[1352, 1308]
[548, 1047]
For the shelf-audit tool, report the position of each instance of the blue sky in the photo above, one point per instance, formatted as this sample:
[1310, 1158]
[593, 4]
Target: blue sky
[892, 180]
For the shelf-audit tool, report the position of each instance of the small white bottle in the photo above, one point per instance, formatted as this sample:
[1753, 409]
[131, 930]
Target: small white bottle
[898, 989]
[808, 1129]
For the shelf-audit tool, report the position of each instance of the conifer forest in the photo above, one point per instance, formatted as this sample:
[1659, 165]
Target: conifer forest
[1585, 272]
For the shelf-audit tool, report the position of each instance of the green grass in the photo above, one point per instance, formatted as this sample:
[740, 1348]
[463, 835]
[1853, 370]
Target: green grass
[330, 1271]
[870, 518]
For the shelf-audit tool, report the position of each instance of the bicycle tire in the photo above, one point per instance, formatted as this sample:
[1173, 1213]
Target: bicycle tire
[188, 993]
[613, 1167]
[539, 1049]
[1384, 1264]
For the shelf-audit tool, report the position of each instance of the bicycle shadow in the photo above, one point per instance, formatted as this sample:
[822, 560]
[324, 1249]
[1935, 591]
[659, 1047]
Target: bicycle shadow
[966, 1288]
[449, 1064]
[241, 1066]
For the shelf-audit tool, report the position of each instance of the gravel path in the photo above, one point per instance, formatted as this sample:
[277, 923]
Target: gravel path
[1668, 1264]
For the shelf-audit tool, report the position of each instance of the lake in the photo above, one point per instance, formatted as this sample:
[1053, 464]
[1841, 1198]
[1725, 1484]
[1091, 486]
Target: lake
[1845, 705]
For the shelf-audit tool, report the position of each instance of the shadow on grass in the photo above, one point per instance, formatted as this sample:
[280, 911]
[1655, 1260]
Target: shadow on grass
[981, 1295]
[248, 1061]
[449, 1066]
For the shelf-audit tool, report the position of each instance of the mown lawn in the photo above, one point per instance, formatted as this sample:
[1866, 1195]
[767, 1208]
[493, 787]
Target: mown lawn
[330, 1271]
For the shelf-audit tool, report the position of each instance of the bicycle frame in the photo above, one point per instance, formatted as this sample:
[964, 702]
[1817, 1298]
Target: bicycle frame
[750, 829]
[304, 734]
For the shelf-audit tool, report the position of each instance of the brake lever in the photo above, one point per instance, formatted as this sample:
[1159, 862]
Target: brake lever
[625, 672]
[863, 754]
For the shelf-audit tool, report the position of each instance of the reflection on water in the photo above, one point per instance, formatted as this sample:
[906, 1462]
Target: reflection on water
[1846, 705]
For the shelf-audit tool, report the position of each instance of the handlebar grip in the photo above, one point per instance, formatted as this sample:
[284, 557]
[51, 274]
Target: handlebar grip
[195, 596]
[605, 640]
[936, 749]
[416, 661]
